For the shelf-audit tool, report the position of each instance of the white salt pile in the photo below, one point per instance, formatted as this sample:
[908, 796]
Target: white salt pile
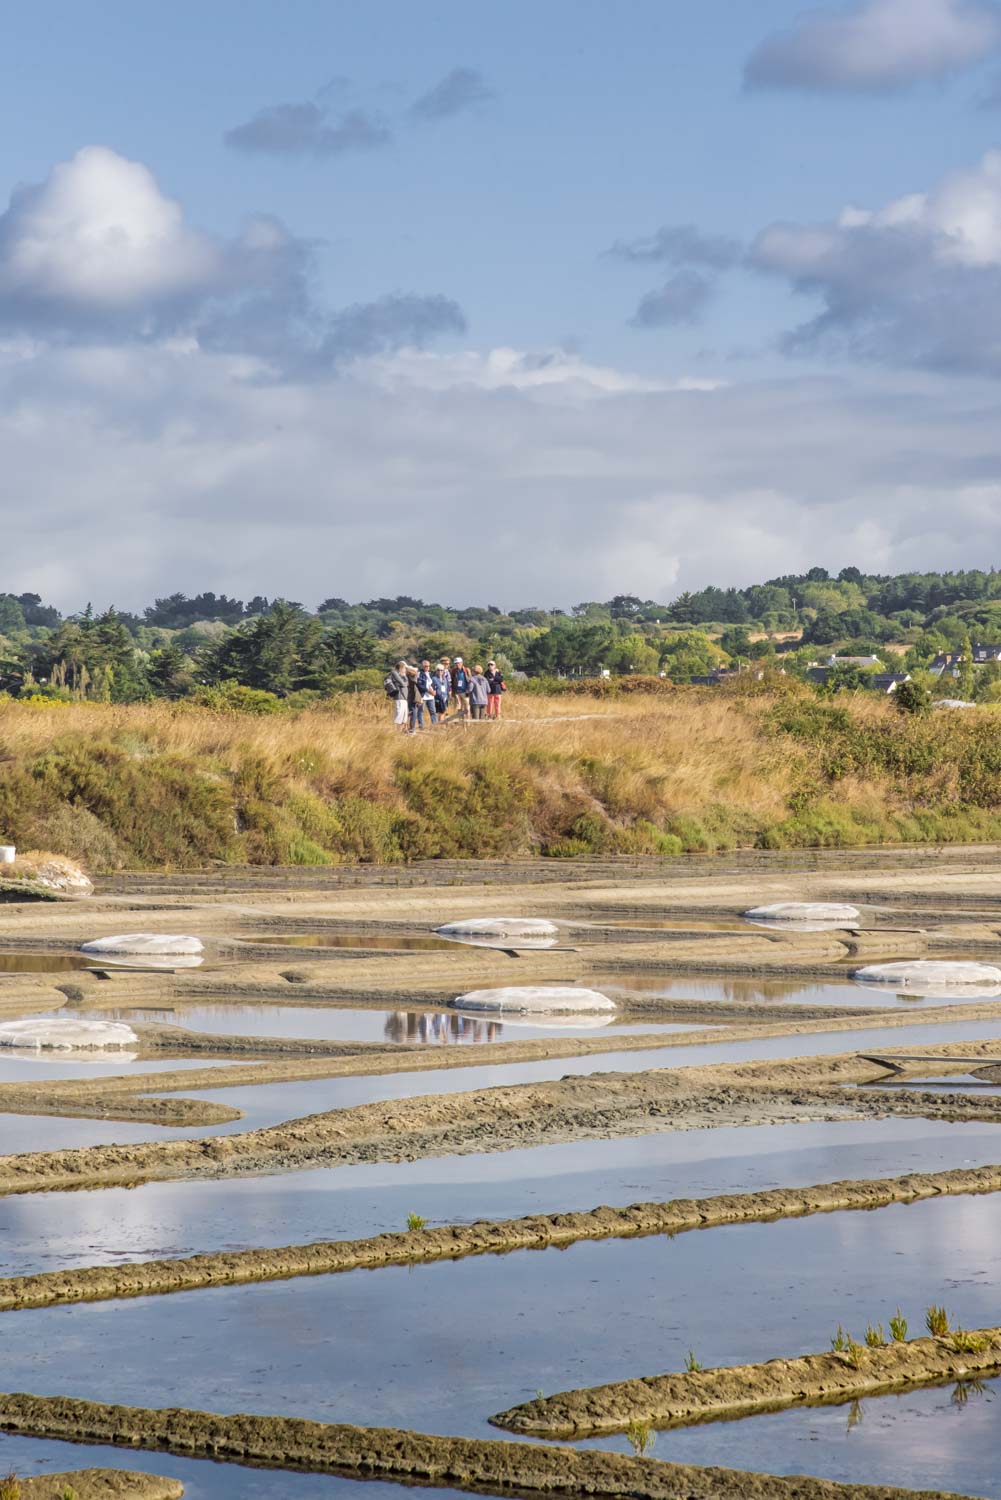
[66, 1035]
[144, 943]
[929, 977]
[506, 927]
[535, 999]
[804, 911]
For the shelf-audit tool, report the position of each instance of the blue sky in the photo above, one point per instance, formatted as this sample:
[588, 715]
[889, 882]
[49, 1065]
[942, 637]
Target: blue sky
[288, 293]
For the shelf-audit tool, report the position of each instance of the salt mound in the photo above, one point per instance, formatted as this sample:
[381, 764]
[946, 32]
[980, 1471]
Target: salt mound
[534, 999]
[804, 911]
[46, 1031]
[154, 961]
[927, 976]
[476, 940]
[504, 927]
[144, 943]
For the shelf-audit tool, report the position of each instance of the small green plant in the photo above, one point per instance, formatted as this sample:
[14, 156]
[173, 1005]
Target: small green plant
[414, 1221]
[693, 1365]
[10, 1486]
[640, 1435]
[538, 1392]
[898, 1327]
[839, 1343]
[68, 1494]
[874, 1336]
[965, 1342]
[937, 1321]
[855, 1353]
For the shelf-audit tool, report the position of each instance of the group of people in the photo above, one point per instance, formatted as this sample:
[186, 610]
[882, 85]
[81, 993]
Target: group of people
[450, 687]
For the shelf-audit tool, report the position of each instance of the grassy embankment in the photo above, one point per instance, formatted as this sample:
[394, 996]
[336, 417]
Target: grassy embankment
[154, 786]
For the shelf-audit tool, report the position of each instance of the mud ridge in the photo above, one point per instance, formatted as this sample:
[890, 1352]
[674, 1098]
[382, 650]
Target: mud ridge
[598, 1105]
[498, 1467]
[485, 1237]
[100, 1484]
[745, 1390]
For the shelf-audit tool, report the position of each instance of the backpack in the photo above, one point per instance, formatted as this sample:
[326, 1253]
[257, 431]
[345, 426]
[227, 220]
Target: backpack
[391, 685]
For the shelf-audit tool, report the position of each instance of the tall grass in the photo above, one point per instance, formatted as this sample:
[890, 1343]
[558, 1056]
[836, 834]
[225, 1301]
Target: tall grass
[161, 785]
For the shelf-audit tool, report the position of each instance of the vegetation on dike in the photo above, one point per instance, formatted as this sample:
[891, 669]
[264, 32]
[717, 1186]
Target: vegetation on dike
[161, 785]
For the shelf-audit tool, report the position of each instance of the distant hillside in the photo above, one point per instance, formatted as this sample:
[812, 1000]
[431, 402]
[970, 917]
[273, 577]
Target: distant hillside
[181, 647]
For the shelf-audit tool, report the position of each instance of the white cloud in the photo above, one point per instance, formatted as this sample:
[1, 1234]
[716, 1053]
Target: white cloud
[555, 372]
[876, 45]
[99, 235]
[172, 470]
[918, 280]
[97, 251]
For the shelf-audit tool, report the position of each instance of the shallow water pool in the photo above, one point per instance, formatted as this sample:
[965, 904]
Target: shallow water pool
[48, 1231]
[944, 1438]
[396, 1345]
[620, 983]
[407, 1027]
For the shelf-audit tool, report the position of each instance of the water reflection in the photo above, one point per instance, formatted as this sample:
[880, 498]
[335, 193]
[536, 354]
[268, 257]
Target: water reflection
[42, 963]
[442, 1027]
[390, 942]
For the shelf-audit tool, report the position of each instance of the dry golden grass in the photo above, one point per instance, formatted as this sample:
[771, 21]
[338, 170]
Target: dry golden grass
[160, 784]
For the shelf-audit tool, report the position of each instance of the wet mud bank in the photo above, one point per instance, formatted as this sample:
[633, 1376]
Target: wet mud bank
[602, 1104]
[457, 1241]
[136, 1097]
[744, 1390]
[483, 1465]
[99, 1484]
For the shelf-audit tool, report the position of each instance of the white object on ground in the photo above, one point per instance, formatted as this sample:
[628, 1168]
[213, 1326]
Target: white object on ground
[7, 853]
[930, 977]
[125, 961]
[500, 927]
[530, 999]
[804, 911]
[144, 943]
[477, 941]
[78, 1035]
[952, 703]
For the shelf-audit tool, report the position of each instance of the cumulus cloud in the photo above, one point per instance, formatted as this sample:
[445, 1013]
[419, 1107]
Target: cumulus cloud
[876, 45]
[99, 237]
[459, 90]
[208, 480]
[682, 299]
[98, 252]
[679, 245]
[308, 130]
[916, 281]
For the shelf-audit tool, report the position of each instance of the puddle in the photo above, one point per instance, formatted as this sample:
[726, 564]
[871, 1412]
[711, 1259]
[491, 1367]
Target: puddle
[51, 1231]
[947, 1438]
[396, 1345]
[833, 992]
[202, 1478]
[43, 963]
[323, 1023]
[388, 941]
